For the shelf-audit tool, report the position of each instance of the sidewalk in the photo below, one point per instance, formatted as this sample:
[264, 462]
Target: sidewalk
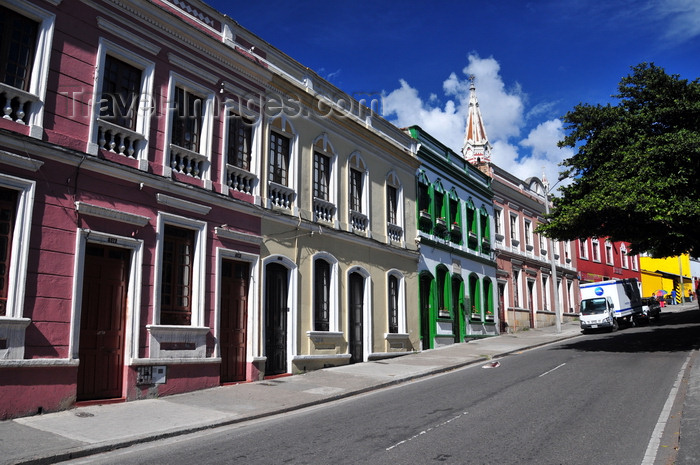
[90, 430]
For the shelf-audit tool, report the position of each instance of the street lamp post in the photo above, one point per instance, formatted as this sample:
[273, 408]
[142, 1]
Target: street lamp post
[552, 261]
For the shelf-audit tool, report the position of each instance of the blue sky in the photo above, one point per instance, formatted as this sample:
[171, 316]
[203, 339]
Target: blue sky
[533, 60]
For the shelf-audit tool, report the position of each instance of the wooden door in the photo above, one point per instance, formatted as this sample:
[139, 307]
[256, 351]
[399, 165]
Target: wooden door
[235, 278]
[356, 308]
[276, 292]
[103, 310]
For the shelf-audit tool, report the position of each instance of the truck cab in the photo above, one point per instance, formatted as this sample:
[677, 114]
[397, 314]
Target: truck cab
[598, 312]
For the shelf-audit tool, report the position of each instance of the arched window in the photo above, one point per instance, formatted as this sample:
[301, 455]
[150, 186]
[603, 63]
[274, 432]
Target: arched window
[322, 288]
[475, 297]
[393, 304]
[443, 292]
[488, 299]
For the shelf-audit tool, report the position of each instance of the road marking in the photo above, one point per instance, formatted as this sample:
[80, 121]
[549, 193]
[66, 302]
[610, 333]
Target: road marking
[426, 431]
[555, 368]
[655, 441]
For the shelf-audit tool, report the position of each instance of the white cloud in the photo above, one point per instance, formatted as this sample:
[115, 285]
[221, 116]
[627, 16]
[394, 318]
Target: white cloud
[503, 109]
[683, 19]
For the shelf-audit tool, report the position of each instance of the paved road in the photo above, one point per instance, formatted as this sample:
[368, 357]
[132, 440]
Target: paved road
[592, 399]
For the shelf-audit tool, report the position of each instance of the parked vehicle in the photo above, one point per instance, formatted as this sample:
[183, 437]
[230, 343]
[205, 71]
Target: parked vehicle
[651, 309]
[610, 304]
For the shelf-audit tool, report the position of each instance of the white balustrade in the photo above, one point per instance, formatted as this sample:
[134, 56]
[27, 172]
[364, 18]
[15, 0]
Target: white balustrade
[394, 231]
[16, 101]
[240, 179]
[118, 139]
[187, 162]
[280, 196]
[358, 221]
[323, 210]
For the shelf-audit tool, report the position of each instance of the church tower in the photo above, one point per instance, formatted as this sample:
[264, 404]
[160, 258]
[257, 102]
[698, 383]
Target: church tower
[476, 149]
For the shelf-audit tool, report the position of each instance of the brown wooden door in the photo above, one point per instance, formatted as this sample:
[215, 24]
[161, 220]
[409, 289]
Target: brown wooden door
[101, 349]
[356, 308]
[276, 310]
[235, 277]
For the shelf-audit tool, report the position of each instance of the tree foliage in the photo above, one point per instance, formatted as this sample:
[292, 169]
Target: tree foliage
[636, 169]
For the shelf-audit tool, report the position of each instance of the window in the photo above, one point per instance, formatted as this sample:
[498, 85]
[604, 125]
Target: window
[240, 142]
[472, 225]
[595, 248]
[26, 34]
[239, 147]
[394, 211]
[359, 209]
[8, 209]
[583, 248]
[191, 119]
[18, 36]
[498, 224]
[442, 292]
[439, 202]
[355, 190]
[529, 246]
[187, 123]
[516, 288]
[514, 231]
[624, 257]
[608, 253]
[121, 86]
[176, 278]
[322, 288]
[475, 297]
[485, 224]
[279, 159]
[324, 191]
[391, 204]
[321, 176]
[393, 304]
[16, 204]
[281, 165]
[543, 245]
[121, 116]
[455, 217]
[396, 305]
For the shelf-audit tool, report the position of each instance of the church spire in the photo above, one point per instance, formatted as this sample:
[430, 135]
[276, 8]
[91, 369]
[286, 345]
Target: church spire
[476, 149]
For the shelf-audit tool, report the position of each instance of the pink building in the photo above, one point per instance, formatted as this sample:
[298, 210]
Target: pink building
[130, 214]
[536, 277]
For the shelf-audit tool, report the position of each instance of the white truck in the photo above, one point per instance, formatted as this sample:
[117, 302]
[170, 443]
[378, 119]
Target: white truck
[610, 304]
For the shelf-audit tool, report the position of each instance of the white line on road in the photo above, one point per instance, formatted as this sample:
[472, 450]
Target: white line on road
[655, 441]
[555, 368]
[426, 431]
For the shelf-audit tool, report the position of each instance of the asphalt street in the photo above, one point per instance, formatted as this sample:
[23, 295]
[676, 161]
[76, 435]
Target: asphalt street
[87, 431]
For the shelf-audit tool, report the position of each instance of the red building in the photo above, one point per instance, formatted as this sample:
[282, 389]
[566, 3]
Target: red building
[599, 259]
[129, 215]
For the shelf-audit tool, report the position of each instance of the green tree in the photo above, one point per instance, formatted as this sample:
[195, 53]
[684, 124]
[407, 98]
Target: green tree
[636, 170]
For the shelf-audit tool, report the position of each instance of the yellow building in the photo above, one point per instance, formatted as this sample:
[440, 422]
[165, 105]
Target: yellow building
[666, 275]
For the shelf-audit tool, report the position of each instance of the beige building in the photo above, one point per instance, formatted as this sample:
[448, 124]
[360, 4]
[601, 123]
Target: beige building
[338, 257]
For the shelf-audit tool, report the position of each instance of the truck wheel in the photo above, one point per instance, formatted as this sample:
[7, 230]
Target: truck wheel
[615, 326]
